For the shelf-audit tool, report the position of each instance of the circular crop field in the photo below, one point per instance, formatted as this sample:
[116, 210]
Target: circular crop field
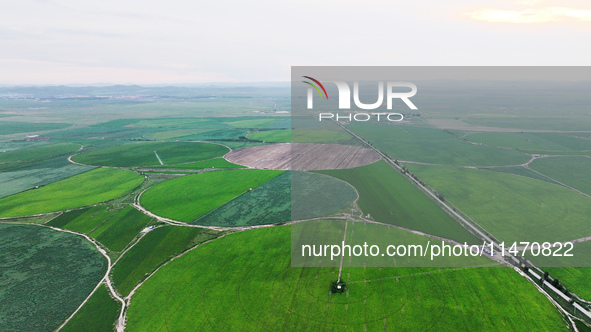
[45, 275]
[151, 154]
[248, 197]
[245, 282]
[302, 156]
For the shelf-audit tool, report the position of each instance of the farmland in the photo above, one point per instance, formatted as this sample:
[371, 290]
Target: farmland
[151, 154]
[88, 188]
[302, 156]
[388, 197]
[428, 145]
[189, 197]
[44, 284]
[37, 174]
[572, 171]
[300, 136]
[231, 258]
[210, 163]
[40, 152]
[513, 208]
[98, 314]
[290, 195]
[270, 295]
[13, 127]
[158, 246]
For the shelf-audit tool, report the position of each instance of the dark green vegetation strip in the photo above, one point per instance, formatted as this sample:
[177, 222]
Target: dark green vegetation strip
[388, 197]
[88, 188]
[299, 195]
[576, 279]
[8, 128]
[429, 145]
[114, 227]
[45, 276]
[572, 171]
[189, 197]
[512, 208]
[521, 170]
[38, 152]
[37, 174]
[99, 314]
[245, 282]
[142, 154]
[116, 232]
[83, 220]
[158, 246]
[211, 163]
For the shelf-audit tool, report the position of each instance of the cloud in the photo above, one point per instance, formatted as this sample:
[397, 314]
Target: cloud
[529, 16]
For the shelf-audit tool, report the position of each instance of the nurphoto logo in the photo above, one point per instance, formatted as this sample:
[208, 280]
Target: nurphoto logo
[344, 99]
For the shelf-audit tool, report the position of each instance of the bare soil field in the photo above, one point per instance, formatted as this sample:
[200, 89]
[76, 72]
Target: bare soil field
[302, 156]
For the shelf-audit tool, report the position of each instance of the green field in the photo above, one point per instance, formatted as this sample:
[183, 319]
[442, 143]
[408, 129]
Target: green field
[300, 136]
[434, 146]
[511, 207]
[118, 230]
[88, 188]
[388, 197]
[37, 174]
[189, 197]
[40, 152]
[12, 127]
[211, 163]
[158, 246]
[520, 170]
[254, 123]
[245, 282]
[147, 154]
[301, 196]
[45, 276]
[99, 314]
[84, 220]
[572, 171]
[510, 140]
[275, 136]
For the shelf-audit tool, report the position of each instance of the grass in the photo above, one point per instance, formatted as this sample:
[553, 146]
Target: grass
[300, 136]
[572, 171]
[512, 208]
[40, 152]
[254, 123]
[275, 136]
[158, 246]
[12, 127]
[388, 197]
[37, 174]
[434, 146]
[45, 276]
[296, 195]
[520, 170]
[88, 188]
[510, 140]
[245, 282]
[83, 220]
[211, 163]
[117, 231]
[170, 134]
[99, 314]
[189, 197]
[146, 154]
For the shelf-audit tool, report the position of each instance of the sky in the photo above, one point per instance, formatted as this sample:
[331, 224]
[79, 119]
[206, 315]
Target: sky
[180, 41]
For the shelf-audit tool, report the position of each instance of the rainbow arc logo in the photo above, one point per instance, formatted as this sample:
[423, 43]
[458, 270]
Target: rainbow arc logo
[316, 87]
